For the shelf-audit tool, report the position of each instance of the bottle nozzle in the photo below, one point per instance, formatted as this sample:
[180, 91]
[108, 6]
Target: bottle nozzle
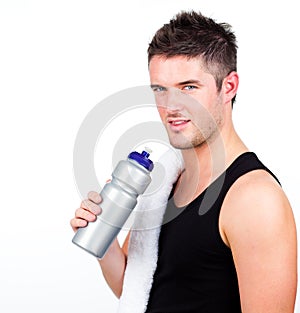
[146, 152]
[147, 149]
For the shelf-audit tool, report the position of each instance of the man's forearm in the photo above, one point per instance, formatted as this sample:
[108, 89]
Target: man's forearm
[113, 267]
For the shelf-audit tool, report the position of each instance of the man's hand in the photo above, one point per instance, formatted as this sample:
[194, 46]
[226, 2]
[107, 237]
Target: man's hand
[87, 212]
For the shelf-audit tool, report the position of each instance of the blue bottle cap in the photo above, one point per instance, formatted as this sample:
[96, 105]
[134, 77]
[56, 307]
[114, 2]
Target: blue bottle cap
[142, 159]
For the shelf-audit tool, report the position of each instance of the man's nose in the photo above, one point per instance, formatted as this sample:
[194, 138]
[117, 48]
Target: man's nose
[173, 100]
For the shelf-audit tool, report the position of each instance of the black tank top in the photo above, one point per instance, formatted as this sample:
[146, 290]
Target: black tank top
[195, 270]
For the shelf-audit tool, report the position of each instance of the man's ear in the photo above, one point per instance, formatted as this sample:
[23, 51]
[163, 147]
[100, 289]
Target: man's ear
[230, 85]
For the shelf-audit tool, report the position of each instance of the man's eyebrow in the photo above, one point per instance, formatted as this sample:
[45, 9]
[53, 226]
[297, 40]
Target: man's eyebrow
[156, 86]
[190, 81]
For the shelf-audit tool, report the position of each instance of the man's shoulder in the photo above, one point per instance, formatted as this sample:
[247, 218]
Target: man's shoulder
[254, 201]
[253, 184]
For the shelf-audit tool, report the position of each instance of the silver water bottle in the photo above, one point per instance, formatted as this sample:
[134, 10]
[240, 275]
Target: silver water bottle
[130, 178]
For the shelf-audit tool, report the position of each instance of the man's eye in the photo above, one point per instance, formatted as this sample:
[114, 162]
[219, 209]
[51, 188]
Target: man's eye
[158, 89]
[189, 87]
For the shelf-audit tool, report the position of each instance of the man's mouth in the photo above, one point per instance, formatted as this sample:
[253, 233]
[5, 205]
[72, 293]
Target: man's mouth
[178, 123]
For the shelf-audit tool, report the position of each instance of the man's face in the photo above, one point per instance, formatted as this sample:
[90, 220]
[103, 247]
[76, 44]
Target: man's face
[189, 104]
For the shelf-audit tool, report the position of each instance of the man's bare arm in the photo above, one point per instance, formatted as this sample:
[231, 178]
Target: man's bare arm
[113, 266]
[259, 227]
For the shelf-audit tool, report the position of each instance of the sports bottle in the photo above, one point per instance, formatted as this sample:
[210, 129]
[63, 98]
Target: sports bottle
[130, 179]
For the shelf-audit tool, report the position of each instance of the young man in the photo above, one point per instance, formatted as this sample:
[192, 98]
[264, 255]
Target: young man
[240, 254]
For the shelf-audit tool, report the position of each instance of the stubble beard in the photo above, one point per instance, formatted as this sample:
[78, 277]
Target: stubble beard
[197, 138]
[180, 141]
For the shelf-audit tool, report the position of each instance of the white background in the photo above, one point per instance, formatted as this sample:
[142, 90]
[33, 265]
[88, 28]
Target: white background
[58, 59]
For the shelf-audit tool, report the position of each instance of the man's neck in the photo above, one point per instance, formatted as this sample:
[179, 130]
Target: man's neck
[203, 164]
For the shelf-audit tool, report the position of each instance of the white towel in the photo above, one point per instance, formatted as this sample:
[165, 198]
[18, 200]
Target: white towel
[143, 243]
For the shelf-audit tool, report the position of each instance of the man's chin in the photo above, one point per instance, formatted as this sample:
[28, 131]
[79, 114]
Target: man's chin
[181, 145]
[185, 144]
